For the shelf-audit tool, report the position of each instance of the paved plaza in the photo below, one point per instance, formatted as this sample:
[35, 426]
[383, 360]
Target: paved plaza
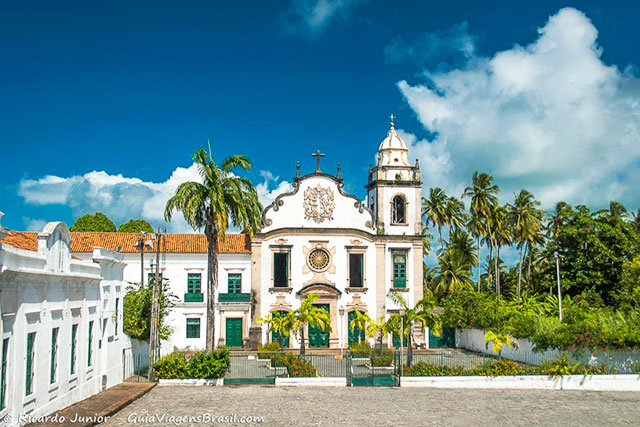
[282, 406]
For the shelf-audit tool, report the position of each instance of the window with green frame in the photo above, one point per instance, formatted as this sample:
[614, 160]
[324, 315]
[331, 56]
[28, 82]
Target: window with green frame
[399, 270]
[281, 269]
[3, 372]
[74, 345]
[235, 283]
[90, 346]
[194, 283]
[29, 371]
[53, 370]
[193, 328]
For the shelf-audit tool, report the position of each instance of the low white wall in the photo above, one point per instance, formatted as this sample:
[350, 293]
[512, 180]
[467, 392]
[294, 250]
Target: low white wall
[312, 382]
[199, 382]
[572, 382]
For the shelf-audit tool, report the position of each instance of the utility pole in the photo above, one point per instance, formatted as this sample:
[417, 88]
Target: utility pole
[557, 257]
[154, 336]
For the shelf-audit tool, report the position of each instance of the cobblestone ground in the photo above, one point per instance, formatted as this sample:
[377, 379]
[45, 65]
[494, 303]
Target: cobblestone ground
[357, 406]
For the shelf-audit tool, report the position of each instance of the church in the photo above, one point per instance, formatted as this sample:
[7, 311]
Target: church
[351, 253]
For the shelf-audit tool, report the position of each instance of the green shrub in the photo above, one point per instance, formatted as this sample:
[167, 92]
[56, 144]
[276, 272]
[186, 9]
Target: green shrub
[362, 349]
[427, 369]
[180, 365]
[502, 367]
[172, 366]
[382, 357]
[266, 351]
[296, 365]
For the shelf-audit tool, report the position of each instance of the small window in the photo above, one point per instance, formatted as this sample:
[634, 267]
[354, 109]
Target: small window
[398, 214]
[399, 270]
[90, 344]
[193, 328]
[194, 283]
[74, 346]
[3, 372]
[54, 355]
[235, 283]
[355, 270]
[281, 269]
[29, 371]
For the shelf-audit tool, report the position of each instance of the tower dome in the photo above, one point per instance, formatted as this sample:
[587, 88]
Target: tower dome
[393, 150]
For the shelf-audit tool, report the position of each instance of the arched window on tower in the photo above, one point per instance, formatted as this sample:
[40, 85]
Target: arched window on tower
[398, 210]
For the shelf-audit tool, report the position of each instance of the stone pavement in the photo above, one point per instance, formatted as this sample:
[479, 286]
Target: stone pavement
[87, 412]
[360, 406]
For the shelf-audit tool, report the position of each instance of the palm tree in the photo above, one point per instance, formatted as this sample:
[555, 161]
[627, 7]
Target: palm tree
[455, 213]
[426, 241]
[502, 236]
[434, 210]
[484, 199]
[423, 313]
[557, 219]
[279, 323]
[478, 229]
[525, 221]
[454, 272]
[360, 323]
[379, 328]
[308, 314]
[636, 221]
[461, 241]
[222, 199]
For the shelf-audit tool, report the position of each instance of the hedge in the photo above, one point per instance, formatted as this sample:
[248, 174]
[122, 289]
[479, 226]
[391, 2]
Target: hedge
[202, 365]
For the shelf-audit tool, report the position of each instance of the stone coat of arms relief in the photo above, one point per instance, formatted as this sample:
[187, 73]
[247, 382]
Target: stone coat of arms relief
[318, 203]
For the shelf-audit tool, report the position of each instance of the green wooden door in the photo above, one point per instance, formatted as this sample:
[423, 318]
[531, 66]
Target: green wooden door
[447, 339]
[317, 337]
[355, 332]
[233, 332]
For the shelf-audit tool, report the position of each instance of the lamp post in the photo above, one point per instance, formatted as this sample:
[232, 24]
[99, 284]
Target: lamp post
[341, 311]
[402, 312]
[557, 257]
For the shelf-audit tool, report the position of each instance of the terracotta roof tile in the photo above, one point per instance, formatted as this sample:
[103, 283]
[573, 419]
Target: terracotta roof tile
[175, 243]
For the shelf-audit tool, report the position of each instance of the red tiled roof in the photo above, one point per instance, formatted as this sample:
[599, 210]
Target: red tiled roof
[175, 243]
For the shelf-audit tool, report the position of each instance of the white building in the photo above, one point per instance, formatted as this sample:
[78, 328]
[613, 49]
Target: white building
[61, 322]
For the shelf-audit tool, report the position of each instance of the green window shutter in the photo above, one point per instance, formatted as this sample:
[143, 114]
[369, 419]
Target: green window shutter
[90, 347]
[31, 337]
[193, 328]
[194, 283]
[54, 355]
[3, 372]
[399, 270]
[74, 333]
[281, 269]
[235, 283]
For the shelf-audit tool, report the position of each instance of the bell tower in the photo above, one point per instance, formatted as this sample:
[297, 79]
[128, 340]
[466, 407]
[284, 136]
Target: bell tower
[394, 188]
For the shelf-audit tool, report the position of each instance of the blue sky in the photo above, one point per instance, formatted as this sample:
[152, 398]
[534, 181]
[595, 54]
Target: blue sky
[103, 104]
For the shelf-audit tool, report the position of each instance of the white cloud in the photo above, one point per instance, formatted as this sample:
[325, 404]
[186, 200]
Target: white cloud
[312, 17]
[34, 224]
[551, 117]
[122, 198]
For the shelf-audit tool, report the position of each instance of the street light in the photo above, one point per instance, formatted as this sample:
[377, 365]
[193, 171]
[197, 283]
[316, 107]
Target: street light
[341, 311]
[557, 257]
[401, 312]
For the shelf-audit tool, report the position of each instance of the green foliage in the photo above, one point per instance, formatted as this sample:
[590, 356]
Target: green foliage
[137, 310]
[201, 365]
[135, 226]
[360, 349]
[308, 314]
[382, 357]
[499, 341]
[296, 366]
[97, 222]
[265, 351]
[427, 369]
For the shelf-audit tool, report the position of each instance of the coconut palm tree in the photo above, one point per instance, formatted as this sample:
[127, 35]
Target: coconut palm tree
[422, 313]
[502, 236]
[379, 328]
[308, 314]
[636, 221]
[222, 199]
[278, 323]
[434, 209]
[360, 323]
[461, 241]
[454, 272]
[557, 218]
[478, 229]
[484, 199]
[455, 213]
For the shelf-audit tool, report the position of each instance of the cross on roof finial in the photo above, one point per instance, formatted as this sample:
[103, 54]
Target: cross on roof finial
[392, 117]
[317, 155]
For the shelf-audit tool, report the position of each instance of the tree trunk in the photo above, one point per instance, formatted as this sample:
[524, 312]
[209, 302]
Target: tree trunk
[497, 262]
[519, 272]
[212, 285]
[529, 267]
[479, 263]
[409, 349]
[489, 266]
[302, 351]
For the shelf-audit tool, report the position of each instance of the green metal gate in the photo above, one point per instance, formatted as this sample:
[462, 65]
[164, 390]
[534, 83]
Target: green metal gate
[447, 339]
[378, 369]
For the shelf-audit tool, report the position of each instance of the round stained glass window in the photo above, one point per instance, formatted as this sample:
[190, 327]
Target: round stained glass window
[319, 259]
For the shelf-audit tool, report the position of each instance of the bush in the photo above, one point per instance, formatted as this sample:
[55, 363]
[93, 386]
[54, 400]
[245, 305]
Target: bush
[362, 349]
[426, 369]
[502, 367]
[267, 350]
[206, 365]
[382, 357]
[296, 366]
